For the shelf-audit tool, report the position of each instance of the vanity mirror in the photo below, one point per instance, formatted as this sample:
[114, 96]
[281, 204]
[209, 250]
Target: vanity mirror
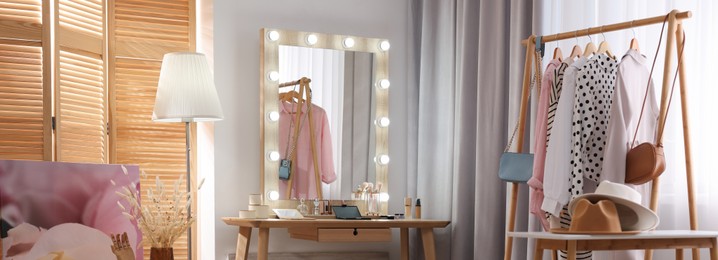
[347, 119]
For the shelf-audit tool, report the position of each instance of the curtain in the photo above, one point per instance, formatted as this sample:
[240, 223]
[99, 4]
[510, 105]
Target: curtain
[701, 33]
[465, 92]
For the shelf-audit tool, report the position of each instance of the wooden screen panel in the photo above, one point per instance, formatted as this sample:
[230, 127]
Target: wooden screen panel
[21, 19]
[141, 32]
[85, 16]
[80, 86]
[150, 28]
[159, 148]
[21, 101]
[81, 25]
[81, 109]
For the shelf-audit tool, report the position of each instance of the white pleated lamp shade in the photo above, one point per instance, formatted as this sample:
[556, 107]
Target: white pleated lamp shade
[185, 91]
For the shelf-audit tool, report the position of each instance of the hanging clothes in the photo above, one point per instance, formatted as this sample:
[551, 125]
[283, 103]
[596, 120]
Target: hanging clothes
[558, 152]
[632, 77]
[550, 91]
[303, 180]
[594, 89]
[631, 81]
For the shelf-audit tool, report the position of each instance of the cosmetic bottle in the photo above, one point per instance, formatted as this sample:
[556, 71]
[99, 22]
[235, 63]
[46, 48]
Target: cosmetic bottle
[407, 207]
[417, 209]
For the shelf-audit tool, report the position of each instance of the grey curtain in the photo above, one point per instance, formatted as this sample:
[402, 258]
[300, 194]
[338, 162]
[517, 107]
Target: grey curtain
[465, 90]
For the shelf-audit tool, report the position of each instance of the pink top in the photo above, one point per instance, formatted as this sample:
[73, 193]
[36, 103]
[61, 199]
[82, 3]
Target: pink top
[303, 182]
[536, 181]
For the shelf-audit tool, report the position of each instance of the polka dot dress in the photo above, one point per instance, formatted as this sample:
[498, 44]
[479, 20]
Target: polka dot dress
[592, 101]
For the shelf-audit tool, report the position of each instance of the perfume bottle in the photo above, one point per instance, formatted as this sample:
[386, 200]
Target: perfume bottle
[302, 208]
[316, 206]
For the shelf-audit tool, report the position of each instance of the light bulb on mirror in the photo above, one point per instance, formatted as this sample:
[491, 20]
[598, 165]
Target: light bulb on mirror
[273, 76]
[382, 121]
[312, 39]
[384, 45]
[348, 42]
[384, 84]
[382, 159]
[273, 156]
[273, 36]
[273, 195]
[384, 197]
[273, 116]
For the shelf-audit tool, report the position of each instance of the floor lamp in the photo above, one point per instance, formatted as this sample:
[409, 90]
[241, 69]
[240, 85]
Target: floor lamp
[186, 93]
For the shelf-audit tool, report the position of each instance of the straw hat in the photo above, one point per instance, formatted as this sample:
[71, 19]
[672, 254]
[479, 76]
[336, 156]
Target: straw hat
[632, 215]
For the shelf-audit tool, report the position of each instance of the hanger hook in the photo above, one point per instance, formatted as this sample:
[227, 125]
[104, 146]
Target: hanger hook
[633, 29]
[603, 35]
[588, 33]
[575, 36]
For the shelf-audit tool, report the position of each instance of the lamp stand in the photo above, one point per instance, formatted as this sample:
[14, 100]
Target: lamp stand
[189, 210]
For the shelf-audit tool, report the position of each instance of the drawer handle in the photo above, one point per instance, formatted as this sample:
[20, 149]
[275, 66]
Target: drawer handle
[355, 232]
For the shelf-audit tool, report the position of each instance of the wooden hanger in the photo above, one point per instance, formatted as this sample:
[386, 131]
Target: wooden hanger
[557, 54]
[576, 51]
[634, 44]
[634, 41]
[590, 48]
[291, 97]
[604, 48]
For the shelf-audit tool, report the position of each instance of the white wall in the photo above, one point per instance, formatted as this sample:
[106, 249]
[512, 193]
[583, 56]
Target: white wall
[236, 64]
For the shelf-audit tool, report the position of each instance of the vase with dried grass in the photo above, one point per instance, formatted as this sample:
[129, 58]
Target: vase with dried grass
[164, 217]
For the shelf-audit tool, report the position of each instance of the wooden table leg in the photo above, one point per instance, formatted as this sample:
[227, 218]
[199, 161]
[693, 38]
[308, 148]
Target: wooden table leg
[648, 255]
[404, 243]
[262, 251]
[427, 236]
[714, 249]
[679, 253]
[245, 233]
[571, 250]
[554, 254]
[538, 251]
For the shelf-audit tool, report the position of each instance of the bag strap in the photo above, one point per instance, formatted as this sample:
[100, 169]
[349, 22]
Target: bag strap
[536, 78]
[675, 76]
[648, 86]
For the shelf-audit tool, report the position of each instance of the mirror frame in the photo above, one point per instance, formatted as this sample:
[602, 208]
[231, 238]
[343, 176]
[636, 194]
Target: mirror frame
[269, 94]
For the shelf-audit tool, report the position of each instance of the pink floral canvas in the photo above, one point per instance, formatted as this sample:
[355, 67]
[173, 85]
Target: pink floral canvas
[55, 210]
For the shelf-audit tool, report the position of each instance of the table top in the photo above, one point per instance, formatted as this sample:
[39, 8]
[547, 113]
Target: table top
[336, 223]
[656, 234]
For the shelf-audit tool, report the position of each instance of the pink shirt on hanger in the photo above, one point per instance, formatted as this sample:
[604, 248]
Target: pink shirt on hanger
[536, 181]
[303, 182]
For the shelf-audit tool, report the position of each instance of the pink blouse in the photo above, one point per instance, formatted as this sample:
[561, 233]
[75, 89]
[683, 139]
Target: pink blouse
[303, 180]
[536, 181]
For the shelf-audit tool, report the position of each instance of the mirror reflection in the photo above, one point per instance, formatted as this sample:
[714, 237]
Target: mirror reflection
[344, 132]
[327, 122]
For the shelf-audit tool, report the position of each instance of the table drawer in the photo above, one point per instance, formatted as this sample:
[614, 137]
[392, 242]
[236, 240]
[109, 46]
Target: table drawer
[354, 235]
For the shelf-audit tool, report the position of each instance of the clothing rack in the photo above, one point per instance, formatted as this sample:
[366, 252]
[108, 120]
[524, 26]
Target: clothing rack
[304, 97]
[674, 38]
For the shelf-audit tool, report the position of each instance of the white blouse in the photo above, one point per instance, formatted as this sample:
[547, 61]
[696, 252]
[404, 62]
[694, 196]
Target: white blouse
[631, 81]
[558, 151]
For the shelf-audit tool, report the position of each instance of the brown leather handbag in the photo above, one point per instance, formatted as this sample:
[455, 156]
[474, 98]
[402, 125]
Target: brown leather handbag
[646, 161]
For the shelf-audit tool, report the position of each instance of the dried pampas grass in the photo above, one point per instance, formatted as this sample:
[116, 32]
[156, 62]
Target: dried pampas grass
[165, 218]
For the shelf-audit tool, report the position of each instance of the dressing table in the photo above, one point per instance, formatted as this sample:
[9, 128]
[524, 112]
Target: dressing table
[334, 230]
[352, 74]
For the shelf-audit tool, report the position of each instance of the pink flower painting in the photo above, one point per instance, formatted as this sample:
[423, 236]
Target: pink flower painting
[56, 210]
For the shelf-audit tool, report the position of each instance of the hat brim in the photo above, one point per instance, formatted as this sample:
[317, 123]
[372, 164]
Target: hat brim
[566, 231]
[633, 216]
